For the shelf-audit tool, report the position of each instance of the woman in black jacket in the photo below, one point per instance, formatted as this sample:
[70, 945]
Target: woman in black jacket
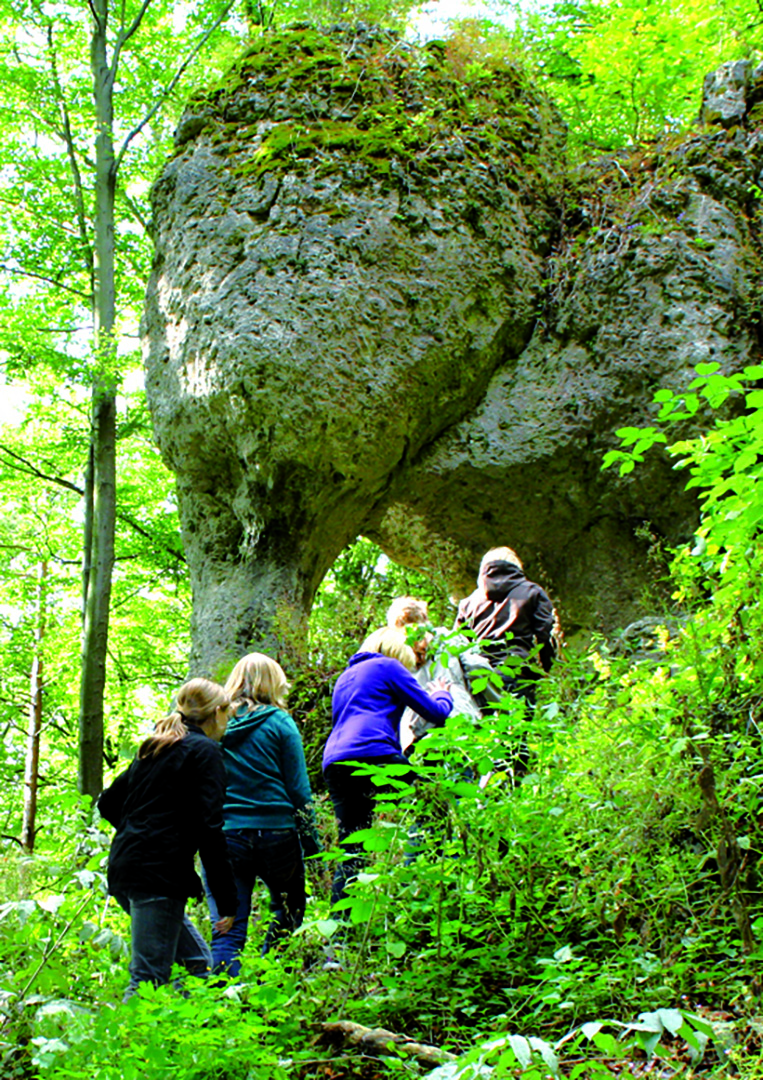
[167, 806]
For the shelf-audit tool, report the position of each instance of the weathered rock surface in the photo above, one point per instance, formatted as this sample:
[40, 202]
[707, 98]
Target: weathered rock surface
[724, 94]
[376, 309]
[669, 280]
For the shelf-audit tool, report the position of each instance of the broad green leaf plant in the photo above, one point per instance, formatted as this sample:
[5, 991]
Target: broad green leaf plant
[718, 575]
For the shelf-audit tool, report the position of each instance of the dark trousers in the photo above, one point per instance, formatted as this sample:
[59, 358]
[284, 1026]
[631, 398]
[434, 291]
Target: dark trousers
[274, 856]
[353, 799]
[162, 935]
[522, 685]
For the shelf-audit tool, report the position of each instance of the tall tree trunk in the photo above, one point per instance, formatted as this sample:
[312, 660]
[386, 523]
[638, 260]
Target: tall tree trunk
[100, 483]
[87, 531]
[97, 582]
[32, 763]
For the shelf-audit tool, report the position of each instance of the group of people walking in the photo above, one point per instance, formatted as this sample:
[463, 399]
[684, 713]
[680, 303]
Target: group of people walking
[224, 775]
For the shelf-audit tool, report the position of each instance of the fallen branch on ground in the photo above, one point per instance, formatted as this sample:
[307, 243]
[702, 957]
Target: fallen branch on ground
[378, 1040]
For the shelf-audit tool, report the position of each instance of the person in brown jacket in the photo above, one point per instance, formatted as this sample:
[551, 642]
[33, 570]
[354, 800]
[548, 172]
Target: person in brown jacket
[510, 617]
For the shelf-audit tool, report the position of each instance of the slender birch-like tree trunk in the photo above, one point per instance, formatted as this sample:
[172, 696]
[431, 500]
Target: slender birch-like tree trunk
[113, 28]
[34, 727]
[100, 529]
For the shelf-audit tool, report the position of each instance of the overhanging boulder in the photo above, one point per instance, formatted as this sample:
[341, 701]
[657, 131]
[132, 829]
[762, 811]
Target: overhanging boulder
[376, 307]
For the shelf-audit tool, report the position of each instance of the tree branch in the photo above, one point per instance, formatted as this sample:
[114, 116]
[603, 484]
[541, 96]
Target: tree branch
[376, 1041]
[49, 127]
[79, 199]
[44, 277]
[127, 520]
[125, 35]
[37, 215]
[29, 469]
[171, 84]
[133, 208]
[158, 576]
[26, 466]
[68, 330]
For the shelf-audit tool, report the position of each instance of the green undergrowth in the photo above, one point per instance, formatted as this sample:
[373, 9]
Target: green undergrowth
[582, 907]
[572, 892]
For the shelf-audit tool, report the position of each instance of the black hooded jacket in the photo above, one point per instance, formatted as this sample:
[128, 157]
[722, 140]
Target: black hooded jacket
[165, 809]
[509, 615]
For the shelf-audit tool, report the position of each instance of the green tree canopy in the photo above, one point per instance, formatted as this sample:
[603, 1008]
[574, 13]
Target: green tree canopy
[628, 72]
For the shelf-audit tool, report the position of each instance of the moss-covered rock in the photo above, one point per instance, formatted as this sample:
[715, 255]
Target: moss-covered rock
[350, 240]
[309, 99]
[380, 305]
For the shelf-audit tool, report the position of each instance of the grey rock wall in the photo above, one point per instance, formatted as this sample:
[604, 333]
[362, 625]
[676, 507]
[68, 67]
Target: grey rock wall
[376, 309]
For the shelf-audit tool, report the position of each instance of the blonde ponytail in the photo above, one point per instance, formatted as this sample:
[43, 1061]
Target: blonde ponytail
[197, 701]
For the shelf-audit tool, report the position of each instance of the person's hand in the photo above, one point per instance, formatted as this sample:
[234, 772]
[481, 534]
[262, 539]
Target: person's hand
[439, 684]
[311, 846]
[222, 926]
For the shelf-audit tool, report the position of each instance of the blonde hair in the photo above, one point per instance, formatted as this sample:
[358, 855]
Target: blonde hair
[500, 554]
[407, 611]
[197, 701]
[390, 641]
[257, 680]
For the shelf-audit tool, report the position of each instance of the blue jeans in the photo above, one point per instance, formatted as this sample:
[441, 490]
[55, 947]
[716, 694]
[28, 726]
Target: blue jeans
[162, 935]
[274, 856]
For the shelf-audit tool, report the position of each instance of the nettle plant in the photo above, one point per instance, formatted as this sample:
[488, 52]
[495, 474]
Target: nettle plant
[716, 578]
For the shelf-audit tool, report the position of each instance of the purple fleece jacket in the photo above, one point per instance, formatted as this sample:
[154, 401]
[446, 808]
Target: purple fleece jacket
[369, 700]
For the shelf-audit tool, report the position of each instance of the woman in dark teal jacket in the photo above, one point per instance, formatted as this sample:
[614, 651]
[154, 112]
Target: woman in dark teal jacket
[269, 821]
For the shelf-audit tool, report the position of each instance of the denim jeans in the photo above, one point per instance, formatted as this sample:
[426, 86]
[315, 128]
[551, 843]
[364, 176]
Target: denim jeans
[162, 935]
[353, 800]
[274, 856]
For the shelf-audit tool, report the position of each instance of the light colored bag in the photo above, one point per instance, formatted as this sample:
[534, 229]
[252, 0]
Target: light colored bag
[444, 666]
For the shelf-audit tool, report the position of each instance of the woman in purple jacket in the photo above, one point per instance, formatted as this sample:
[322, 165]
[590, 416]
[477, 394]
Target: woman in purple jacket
[368, 703]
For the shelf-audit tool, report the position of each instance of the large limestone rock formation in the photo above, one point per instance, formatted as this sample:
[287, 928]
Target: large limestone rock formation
[376, 308]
